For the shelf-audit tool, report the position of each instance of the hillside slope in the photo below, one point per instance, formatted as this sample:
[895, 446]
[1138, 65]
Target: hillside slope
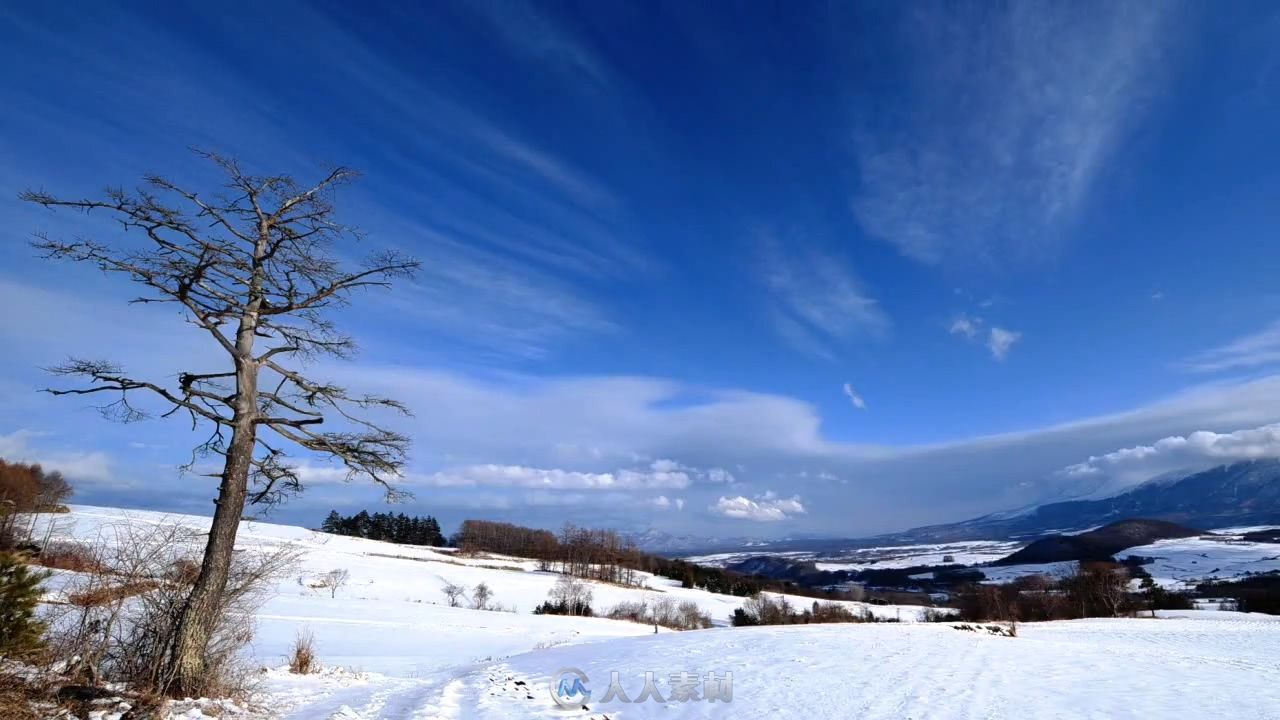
[1099, 544]
[394, 651]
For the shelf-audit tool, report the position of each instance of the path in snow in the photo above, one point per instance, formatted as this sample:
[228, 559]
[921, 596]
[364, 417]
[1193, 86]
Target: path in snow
[1204, 665]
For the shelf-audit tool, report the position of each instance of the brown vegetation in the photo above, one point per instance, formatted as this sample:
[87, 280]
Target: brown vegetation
[302, 659]
[27, 488]
[1095, 589]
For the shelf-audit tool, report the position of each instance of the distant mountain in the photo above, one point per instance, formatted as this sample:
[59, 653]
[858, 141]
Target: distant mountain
[664, 543]
[1100, 544]
[1243, 493]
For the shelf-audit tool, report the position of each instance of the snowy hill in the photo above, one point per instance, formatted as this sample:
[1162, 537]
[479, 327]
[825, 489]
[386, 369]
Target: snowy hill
[407, 655]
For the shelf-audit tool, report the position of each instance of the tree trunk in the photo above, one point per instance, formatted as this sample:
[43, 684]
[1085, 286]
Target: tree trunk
[203, 609]
[200, 616]
[187, 670]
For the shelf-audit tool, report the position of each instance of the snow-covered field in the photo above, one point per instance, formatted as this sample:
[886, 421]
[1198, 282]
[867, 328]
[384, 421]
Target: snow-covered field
[883, 557]
[1185, 562]
[394, 650]
[1178, 564]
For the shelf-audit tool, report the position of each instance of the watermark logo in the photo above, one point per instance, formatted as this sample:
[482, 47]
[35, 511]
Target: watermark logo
[570, 688]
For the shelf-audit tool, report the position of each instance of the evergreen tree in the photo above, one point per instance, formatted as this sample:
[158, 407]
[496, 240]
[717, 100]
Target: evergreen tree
[332, 524]
[21, 633]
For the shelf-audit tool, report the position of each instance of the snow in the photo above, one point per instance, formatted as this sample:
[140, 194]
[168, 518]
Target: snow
[1201, 665]
[883, 557]
[1009, 573]
[392, 649]
[1182, 563]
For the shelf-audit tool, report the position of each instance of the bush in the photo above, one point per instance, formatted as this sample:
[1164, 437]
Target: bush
[665, 612]
[481, 596]
[121, 619]
[453, 593]
[760, 609]
[18, 695]
[549, 607]
[69, 556]
[21, 632]
[302, 660]
[569, 596]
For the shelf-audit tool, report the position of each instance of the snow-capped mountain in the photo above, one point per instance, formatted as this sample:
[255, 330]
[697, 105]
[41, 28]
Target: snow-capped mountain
[1243, 493]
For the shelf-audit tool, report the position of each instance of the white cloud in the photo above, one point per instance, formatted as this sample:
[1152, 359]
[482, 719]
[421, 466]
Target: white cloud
[720, 476]
[965, 325]
[854, 397]
[517, 476]
[818, 304]
[1001, 341]
[1253, 350]
[1195, 451]
[662, 502]
[78, 466]
[1042, 93]
[763, 508]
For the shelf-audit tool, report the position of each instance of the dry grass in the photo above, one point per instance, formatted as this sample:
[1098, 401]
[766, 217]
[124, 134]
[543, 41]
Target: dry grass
[16, 697]
[302, 660]
[101, 595]
[70, 556]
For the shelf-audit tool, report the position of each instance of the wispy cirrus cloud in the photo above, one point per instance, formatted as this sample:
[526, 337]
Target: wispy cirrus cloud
[526, 30]
[515, 231]
[1250, 351]
[855, 398]
[1010, 115]
[817, 302]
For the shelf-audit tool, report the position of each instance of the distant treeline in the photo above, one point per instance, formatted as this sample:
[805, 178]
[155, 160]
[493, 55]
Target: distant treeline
[27, 488]
[606, 555]
[384, 526]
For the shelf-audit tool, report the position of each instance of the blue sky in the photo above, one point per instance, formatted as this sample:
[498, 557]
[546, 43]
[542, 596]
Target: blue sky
[754, 270]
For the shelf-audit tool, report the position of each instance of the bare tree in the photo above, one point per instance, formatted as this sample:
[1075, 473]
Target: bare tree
[253, 267]
[453, 593]
[481, 596]
[335, 580]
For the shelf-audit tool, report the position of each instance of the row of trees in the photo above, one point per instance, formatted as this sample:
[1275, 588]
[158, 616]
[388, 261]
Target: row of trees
[577, 551]
[27, 488]
[603, 555]
[761, 609]
[398, 528]
[1096, 589]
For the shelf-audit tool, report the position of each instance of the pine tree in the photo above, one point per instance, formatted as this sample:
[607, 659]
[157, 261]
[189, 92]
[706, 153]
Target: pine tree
[332, 524]
[21, 634]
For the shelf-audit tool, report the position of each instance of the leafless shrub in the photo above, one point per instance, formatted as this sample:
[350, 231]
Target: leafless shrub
[934, 615]
[571, 592]
[481, 596]
[118, 623]
[663, 611]
[302, 659]
[453, 593]
[19, 697]
[69, 556]
[333, 581]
